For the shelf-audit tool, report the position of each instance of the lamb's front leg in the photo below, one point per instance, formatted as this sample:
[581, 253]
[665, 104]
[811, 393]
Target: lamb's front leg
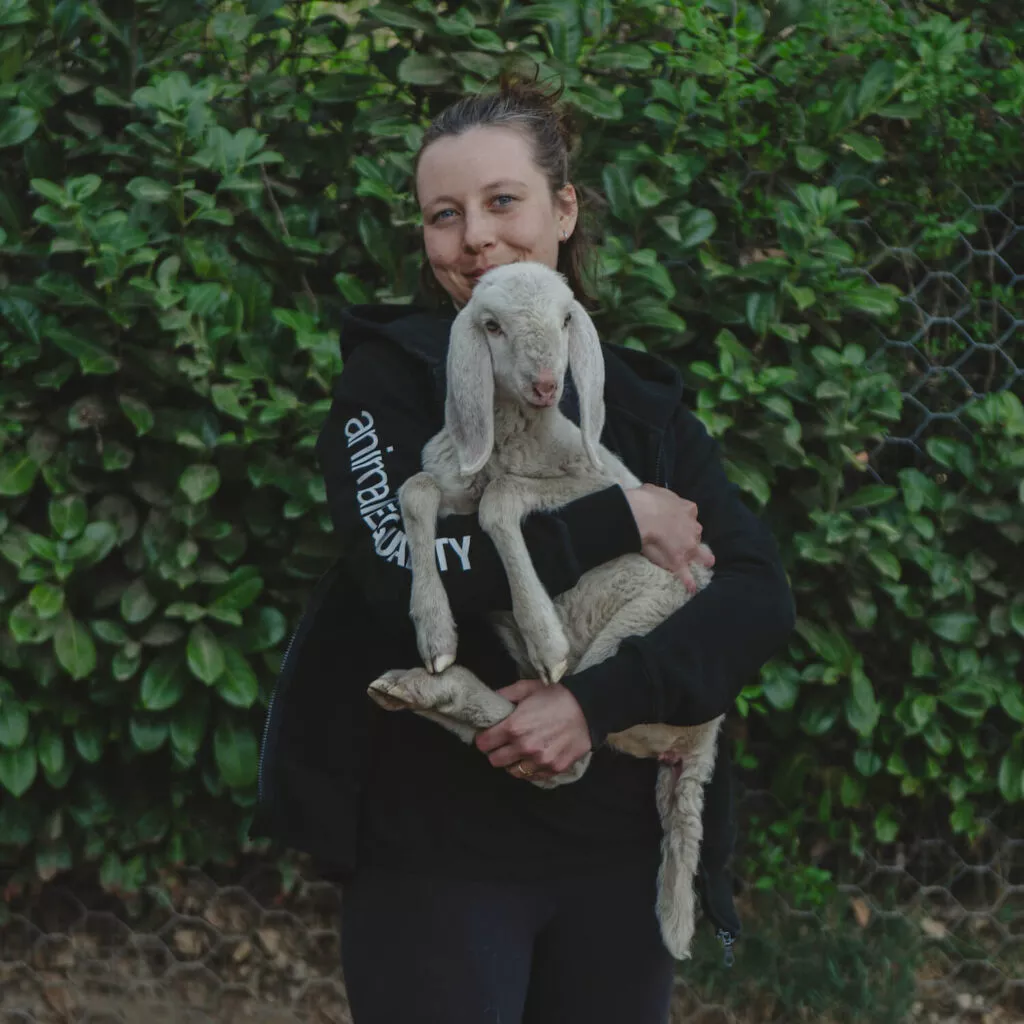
[454, 698]
[436, 635]
[503, 506]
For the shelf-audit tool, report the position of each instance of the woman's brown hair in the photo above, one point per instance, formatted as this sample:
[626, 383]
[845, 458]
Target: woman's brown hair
[535, 111]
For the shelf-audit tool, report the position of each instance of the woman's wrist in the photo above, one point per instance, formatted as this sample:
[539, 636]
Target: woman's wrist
[640, 504]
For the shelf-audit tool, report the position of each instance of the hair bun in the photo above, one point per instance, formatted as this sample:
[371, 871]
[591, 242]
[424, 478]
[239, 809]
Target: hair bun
[529, 93]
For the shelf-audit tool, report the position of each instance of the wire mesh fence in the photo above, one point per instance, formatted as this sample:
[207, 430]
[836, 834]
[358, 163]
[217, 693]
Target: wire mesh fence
[931, 930]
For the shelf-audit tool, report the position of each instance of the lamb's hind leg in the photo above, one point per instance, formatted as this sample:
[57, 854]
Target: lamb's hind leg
[688, 756]
[436, 635]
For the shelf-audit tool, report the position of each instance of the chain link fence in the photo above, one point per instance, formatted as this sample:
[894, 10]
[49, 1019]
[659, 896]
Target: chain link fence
[931, 931]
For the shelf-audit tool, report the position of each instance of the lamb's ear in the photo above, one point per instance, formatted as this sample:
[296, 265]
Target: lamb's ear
[587, 364]
[469, 402]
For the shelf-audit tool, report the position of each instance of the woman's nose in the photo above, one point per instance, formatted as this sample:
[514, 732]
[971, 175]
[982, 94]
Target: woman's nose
[478, 235]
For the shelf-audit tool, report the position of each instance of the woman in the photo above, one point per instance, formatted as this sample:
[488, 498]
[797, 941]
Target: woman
[470, 895]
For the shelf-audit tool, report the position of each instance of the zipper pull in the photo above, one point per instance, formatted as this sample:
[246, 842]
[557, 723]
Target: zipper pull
[728, 940]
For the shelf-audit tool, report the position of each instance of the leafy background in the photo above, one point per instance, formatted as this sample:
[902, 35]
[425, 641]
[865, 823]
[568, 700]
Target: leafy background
[190, 192]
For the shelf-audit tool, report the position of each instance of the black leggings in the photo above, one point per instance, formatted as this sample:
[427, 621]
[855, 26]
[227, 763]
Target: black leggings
[424, 950]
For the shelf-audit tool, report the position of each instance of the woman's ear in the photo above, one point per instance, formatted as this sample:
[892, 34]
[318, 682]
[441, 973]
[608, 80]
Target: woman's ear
[586, 360]
[469, 401]
[568, 210]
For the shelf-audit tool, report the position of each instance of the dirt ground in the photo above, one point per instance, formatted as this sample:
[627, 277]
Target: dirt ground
[208, 953]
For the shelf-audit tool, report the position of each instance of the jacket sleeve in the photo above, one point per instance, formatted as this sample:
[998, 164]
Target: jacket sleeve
[691, 667]
[383, 413]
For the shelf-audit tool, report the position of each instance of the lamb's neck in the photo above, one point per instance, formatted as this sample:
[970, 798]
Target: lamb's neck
[511, 419]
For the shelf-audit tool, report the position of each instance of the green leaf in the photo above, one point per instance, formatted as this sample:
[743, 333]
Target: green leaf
[887, 826]
[482, 64]
[92, 357]
[809, 159]
[420, 69]
[862, 710]
[163, 682]
[18, 472]
[68, 516]
[236, 752]
[50, 751]
[869, 497]
[761, 311]
[27, 626]
[137, 603]
[199, 483]
[188, 726]
[817, 719]
[18, 770]
[74, 648]
[1011, 775]
[647, 193]
[781, 688]
[598, 102]
[148, 190]
[876, 301]
[400, 17]
[138, 412]
[1017, 617]
[626, 56]
[828, 644]
[126, 662]
[696, 227]
[749, 479]
[918, 490]
[956, 627]
[17, 125]
[238, 684]
[47, 599]
[876, 86]
[866, 148]
[89, 739]
[239, 592]
[205, 654]
[147, 735]
[14, 723]
[886, 563]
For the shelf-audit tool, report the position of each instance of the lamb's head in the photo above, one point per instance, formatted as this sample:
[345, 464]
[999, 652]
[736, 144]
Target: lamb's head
[514, 339]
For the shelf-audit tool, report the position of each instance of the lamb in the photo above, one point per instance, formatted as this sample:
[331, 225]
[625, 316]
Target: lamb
[506, 450]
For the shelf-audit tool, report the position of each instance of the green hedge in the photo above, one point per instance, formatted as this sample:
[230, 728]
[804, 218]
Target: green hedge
[189, 195]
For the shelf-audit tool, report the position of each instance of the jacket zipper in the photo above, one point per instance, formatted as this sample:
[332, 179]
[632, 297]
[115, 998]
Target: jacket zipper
[260, 788]
[728, 940]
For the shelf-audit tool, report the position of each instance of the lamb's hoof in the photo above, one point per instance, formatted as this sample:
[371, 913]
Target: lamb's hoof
[437, 639]
[440, 663]
[552, 676]
[382, 691]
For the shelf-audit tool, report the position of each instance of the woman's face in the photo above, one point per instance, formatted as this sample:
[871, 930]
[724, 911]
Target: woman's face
[485, 203]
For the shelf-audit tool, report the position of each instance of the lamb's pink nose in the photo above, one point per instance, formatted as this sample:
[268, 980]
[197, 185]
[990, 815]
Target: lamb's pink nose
[544, 386]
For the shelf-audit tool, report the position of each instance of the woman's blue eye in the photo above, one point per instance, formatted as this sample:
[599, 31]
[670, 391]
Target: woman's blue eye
[439, 215]
[511, 199]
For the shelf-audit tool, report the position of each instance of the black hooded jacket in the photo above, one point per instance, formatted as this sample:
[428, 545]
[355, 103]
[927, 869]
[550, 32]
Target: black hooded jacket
[348, 783]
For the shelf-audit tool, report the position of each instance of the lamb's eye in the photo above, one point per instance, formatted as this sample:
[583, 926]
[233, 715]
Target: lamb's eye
[492, 326]
[568, 319]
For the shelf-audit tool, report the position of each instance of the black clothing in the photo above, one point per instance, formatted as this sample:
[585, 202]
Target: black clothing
[441, 950]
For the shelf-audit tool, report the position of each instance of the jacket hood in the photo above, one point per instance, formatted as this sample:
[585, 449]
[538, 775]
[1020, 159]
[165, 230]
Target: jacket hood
[637, 384]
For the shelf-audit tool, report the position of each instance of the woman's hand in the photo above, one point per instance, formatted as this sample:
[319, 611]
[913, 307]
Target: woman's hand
[547, 732]
[669, 531]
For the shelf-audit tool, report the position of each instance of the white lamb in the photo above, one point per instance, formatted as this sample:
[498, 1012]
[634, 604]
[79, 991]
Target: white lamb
[505, 451]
